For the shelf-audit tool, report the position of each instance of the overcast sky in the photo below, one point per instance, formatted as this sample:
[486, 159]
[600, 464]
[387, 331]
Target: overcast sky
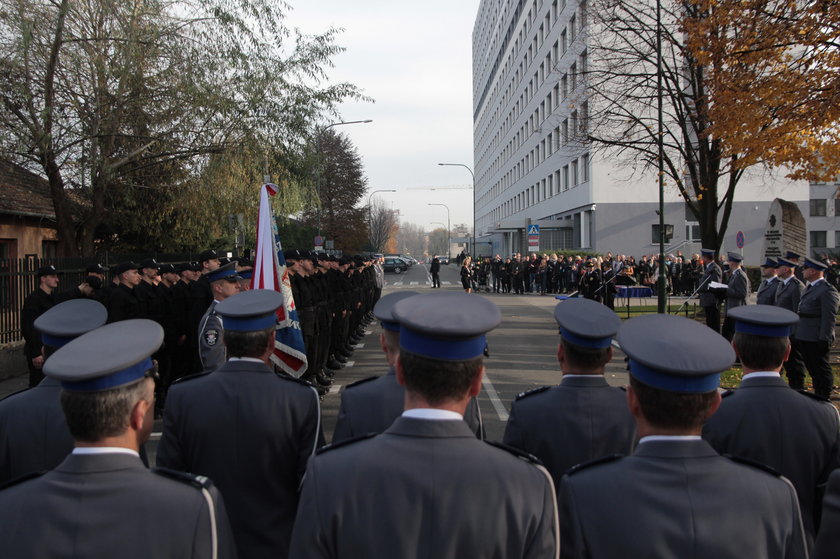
[415, 60]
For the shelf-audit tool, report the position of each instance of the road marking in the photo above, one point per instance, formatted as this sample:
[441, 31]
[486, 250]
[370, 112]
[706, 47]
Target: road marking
[446, 283]
[349, 364]
[359, 346]
[368, 332]
[398, 283]
[412, 283]
[334, 389]
[494, 399]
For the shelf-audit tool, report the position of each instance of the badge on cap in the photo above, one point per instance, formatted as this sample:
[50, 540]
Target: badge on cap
[211, 336]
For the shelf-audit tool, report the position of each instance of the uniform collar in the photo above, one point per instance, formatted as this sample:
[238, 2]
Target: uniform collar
[432, 413]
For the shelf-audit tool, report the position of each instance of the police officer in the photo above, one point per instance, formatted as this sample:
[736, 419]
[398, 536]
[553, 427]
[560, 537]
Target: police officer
[123, 303]
[737, 290]
[101, 501]
[247, 428]
[815, 332]
[675, 496]
[788, 293]
[766, 421]
[33, 434]
[37, 303]
[766, 294]
[426, 487]
[224, 283]
[708, 297]
[201, 296]
[828, 540]
[584, 418]
[371, 405]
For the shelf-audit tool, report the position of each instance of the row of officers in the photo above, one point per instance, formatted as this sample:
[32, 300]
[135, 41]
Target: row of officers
[666, 467]
[815, 301]
[332, 295]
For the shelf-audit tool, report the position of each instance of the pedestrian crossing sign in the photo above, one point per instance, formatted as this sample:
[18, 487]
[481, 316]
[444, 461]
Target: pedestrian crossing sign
[533, 229]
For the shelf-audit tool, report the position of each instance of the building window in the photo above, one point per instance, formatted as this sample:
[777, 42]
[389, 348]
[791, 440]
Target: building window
[565, 84]
[573, 72]
[837, 208]
[565, 177]
[584, 167]
[692, 231]
[572, 29]
[575, 173]
[818, 239]
[818, 208]
[565, 131]
[563, 42]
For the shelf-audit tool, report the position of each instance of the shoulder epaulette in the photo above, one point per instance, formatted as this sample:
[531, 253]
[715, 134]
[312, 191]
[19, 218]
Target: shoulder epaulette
[358, 382]
[516, 452]
[190, 377]
[15, 393]
[603, 460]
[200, 482]
[285, 376]
[753, 463]
[345, 442]
[814, 396]
[727, 392]
[21, 479]
[532, 392]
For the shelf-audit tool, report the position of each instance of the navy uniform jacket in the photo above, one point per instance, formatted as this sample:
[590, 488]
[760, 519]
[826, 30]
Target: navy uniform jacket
[123, 304]
[737, 290]
[251, 431]
[766, 294]
[110, 505]
[678, 499]
[371, 406]
[36, 303]
[33, 433]
[796, 435]
[710, 274]
[424, 488]
[817, 312]
[828, 540]
[211, 349]
[788, 296]
[582, 419]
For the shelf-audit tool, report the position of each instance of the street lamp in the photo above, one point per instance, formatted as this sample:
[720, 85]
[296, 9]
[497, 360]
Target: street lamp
[370, 212]
[472, 244]
[320, 169]
[448, 230]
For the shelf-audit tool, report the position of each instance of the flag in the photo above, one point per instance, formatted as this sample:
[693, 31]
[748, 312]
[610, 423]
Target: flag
[270, 273]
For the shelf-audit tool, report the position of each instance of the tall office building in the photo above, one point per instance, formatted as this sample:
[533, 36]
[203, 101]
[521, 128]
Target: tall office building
[530, 64]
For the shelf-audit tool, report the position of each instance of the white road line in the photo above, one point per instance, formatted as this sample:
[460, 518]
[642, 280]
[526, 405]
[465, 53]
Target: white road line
[494, 398]
[412, 283]
[334, 389]
[348, 364]
[359, 346]
[446, 283]
[368, 332]
[398, 284]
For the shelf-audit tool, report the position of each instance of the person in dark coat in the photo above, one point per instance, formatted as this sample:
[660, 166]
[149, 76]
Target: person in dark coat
[737, 291]
[37, 303]
[675, 496]
[766, 294]
[709, 301]
[246, 427]
[828, 539]
[583, 418]
[788, 294]
[123, 303]
[434, 270]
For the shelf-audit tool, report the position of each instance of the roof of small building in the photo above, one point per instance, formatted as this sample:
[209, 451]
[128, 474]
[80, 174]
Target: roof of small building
[24, 192]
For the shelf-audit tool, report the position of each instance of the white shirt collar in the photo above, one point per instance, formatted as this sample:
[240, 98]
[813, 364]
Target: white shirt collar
[432, 413]
[651, 438]
[786, 281]
[251, 359]
[816, 281]
[83, 450]
[762, 374]
[570, 375]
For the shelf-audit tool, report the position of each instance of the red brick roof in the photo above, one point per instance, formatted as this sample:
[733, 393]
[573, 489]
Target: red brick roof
[23, 192]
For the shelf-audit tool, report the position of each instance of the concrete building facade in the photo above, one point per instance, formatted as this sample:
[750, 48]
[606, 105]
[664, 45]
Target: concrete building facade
[530, 59]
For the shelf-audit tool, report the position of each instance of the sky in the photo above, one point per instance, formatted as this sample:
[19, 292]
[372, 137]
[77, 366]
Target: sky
[415, 60]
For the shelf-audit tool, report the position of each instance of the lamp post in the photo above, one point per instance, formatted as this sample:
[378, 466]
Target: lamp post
[370, 213]
[320, 169]
[472, 244]
[662, 281]
[448, 230]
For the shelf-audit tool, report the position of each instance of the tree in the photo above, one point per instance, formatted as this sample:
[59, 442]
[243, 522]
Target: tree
[341, 185]
[438, 242]
[382, 225]
[103, 95]
[411, 238]
[773, 80]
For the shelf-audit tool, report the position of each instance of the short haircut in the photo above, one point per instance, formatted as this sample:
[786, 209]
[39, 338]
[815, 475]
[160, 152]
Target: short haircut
[760, 352]
[94, 416]
[392, 340]
[438, 381]
[585, 358]
[674, 410]
[247, 344]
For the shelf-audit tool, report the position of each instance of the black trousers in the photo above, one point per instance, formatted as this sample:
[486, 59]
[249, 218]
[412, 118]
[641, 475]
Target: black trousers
[795, 367]
[713, 317]
[815, 355]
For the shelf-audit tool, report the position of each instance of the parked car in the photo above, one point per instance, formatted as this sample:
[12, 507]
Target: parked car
[443, 259]
[395, 264]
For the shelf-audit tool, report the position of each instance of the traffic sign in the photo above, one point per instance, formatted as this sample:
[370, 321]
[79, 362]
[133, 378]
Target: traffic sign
[739, 239]
[319, 240]
[534, 229]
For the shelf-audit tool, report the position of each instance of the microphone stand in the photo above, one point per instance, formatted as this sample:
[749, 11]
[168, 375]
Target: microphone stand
[699, 287]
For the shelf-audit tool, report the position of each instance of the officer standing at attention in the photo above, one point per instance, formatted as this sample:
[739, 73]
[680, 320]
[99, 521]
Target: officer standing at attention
[371, 405]
[584, 418]
[815, 332]
[763, 419]
[224, 283]
[736, 293]
[828, 540]
[788, 293]
[246, 427]
[201, 297]
[426, 487]
[766, 294]
[676, 497]
[709, 299]
[101, 501]
[123, 303]
[37, 303]
[33, 434]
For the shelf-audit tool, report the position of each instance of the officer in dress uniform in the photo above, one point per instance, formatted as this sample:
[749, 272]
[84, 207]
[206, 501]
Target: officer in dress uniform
[123, 303]
[37, 303]
[737, 291]
[763, 419]
[246, 427]
[675, 496]
[426, 487]
[33, 433]
[371, 405]
[766, 294]
[583, 418]
[708, 298]
[788, 293]
[828, 539]
[224, 283]
[201, 297]
[815, 332]
[101, 501]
